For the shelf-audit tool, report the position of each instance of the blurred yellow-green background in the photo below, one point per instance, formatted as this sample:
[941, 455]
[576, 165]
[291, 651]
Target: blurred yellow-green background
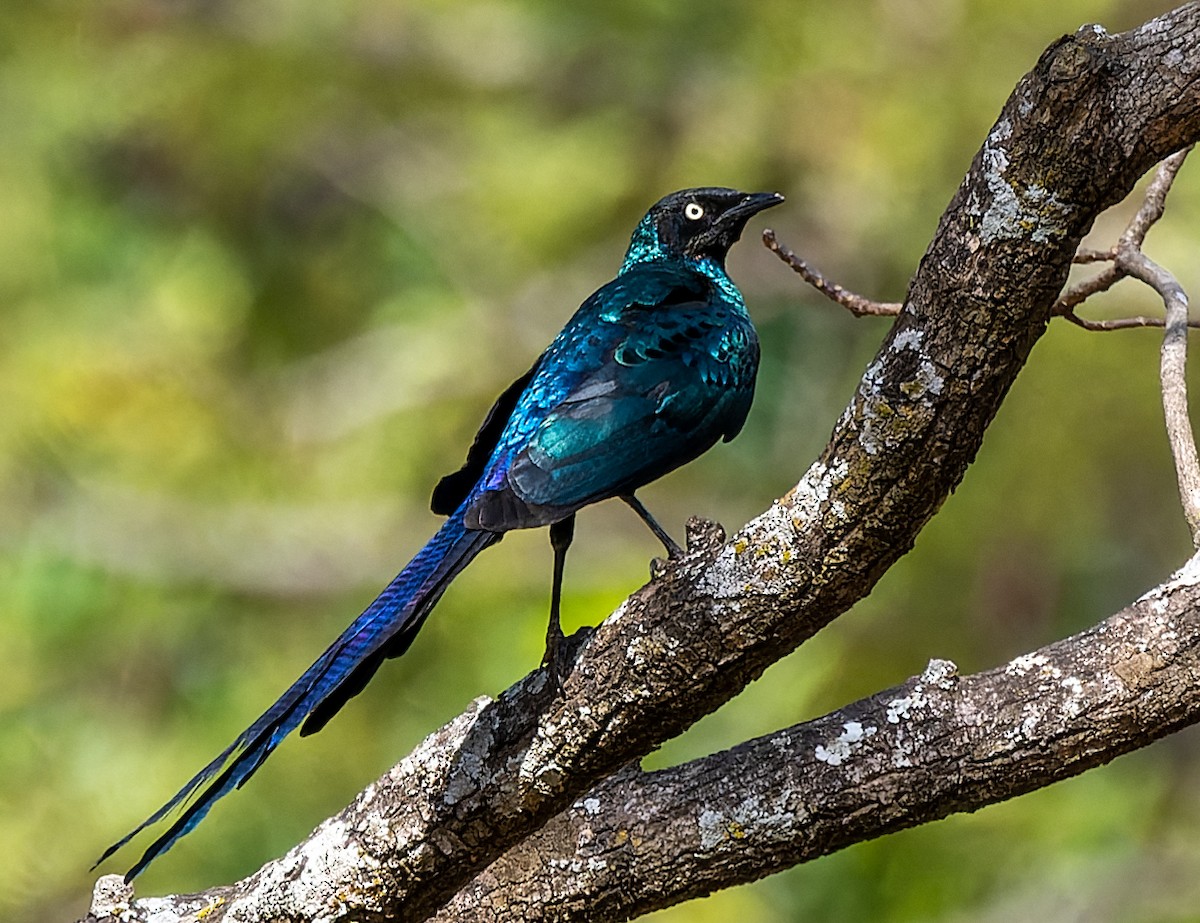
[263, 267]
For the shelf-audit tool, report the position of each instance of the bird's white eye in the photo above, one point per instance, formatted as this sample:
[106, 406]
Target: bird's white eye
[693, 212]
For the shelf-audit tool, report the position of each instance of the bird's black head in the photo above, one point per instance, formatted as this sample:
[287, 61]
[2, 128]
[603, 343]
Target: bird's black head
[696, 223]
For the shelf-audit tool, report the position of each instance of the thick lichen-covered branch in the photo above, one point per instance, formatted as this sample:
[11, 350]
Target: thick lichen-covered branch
[1095, 113]
[937, 744]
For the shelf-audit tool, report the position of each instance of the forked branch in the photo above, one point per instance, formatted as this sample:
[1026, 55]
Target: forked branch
[1125, 259]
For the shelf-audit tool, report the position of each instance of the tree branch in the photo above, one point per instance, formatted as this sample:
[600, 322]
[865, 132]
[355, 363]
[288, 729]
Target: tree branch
[1124, 256]
[935, 745]
[1096, 112]
[1128, 259]
[1172, 371]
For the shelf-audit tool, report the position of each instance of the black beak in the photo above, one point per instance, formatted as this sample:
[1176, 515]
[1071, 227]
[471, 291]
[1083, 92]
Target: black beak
[728, 228]
[725, 230]
[753, 203]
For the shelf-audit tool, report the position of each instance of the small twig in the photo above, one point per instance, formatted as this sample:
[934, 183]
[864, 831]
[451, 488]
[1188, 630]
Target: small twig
[855, 304]
[1086, 255]
[1082, 291]
[1119, 323]
[1154, 201]
[1172, 371]
[1127, 259]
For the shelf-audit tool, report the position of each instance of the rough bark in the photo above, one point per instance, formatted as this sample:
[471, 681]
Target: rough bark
[936, 745]
[1095, 113]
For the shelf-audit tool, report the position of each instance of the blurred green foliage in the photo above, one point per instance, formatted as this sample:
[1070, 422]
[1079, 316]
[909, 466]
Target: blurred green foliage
[266, 264]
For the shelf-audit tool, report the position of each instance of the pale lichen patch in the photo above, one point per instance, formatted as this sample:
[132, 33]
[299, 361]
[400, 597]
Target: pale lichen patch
[644, 648]
[874, 410]
[815, 492]
[578, 866]
[839, 750]
[111, 896]
[900, 709]
[469, 764]
[1025, 663]
[908, 338]
[162, 909]
[940, 673]
[1177, 59]
[765, 566]
[926, 381]
[1015, 210]
[1015, 213]
[1073, 704]
[712, 828]
[750, 819]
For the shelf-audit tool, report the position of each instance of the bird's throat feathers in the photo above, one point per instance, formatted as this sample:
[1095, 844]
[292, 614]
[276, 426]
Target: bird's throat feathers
[646, 247]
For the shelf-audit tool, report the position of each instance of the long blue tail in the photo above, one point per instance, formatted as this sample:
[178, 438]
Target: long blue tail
[385, 629]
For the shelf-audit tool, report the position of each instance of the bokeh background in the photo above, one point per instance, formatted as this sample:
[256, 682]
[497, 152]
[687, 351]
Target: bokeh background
[263, 267]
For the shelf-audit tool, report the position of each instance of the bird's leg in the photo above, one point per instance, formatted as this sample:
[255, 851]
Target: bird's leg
[561, 534]
[673, 550]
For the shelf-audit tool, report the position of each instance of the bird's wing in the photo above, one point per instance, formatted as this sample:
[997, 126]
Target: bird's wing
[646, 286]
[673, 380]
[664, 397]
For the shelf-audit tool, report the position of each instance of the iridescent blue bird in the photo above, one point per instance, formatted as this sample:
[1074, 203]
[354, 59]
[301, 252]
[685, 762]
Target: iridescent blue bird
[650, 372]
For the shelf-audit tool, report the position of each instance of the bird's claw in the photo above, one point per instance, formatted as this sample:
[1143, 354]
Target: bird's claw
[553, 657]
[559, 659]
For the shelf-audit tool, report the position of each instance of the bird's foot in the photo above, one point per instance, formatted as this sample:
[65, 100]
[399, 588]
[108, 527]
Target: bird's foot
[555, 661]
[559, 659]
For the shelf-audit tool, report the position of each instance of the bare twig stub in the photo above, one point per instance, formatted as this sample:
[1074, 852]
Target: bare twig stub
[855, 304]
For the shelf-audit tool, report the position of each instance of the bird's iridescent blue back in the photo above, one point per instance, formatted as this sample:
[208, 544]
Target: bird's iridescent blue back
[649, 373]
